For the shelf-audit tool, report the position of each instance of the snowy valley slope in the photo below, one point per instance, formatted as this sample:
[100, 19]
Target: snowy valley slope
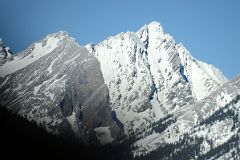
[207, 129]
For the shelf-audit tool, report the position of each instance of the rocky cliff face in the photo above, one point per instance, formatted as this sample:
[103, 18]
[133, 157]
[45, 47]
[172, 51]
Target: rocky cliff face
[5, 53]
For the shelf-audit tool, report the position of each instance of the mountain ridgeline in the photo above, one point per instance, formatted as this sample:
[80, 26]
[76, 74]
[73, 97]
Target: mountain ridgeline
[139, 92]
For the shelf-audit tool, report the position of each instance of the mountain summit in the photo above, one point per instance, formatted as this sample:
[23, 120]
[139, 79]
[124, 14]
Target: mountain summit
[142, 85]
[150, 76]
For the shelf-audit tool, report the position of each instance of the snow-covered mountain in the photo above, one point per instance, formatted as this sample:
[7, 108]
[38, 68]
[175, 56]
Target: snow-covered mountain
[140, 84]
[150, 76]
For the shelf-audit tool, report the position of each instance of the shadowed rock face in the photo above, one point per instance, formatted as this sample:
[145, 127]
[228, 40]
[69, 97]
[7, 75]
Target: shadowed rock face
[64, 91]
[5, 53]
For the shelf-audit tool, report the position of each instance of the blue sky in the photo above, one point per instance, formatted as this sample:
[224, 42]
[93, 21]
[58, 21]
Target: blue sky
[210, 29]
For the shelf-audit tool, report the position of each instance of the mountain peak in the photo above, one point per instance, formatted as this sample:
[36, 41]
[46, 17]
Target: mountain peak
[156, 26]
[60, 34]
[34, 52]
[153, 26]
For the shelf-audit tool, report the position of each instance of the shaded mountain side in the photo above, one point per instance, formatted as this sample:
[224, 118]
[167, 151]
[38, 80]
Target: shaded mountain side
[57, 81]
[25, 139]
